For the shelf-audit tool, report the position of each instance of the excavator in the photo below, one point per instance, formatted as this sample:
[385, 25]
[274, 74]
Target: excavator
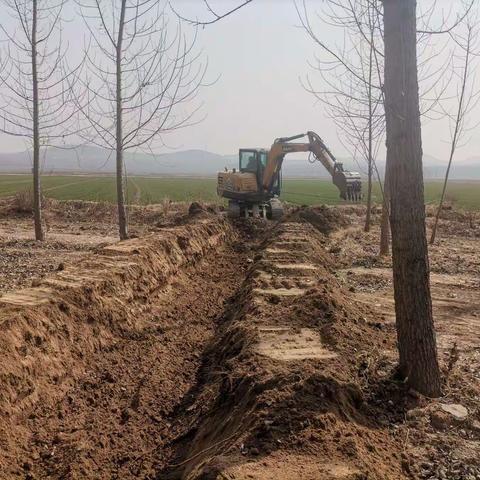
[254, 189]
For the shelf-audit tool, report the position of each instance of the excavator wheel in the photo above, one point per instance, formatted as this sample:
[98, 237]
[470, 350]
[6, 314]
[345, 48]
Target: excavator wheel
[233, 209]
[274, 209]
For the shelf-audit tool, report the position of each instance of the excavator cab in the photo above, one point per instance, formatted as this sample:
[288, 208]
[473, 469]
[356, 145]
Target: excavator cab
[254, 160]
[251, 160]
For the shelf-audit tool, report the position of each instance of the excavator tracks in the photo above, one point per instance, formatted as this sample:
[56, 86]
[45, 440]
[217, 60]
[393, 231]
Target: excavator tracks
[273, 210]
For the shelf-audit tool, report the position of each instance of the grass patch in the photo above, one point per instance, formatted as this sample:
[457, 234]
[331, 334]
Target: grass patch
[464, 194]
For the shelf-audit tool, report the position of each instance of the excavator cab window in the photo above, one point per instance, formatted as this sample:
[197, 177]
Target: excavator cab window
[248, 161]
[263, 159]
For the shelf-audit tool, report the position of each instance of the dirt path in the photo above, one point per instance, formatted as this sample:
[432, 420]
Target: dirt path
[73, 229]
[70, 184]
[23, 260]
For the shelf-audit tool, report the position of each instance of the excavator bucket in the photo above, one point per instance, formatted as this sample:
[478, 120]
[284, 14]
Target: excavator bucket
[350, 185]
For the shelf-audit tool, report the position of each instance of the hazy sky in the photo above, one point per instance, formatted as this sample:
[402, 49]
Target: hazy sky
[260, 54]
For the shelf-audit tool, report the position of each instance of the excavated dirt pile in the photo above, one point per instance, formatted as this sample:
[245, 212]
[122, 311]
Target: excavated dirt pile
[325, 219]
[281, 392]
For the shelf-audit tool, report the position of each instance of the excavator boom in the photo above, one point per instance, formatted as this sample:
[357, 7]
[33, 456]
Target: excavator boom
[348, 183]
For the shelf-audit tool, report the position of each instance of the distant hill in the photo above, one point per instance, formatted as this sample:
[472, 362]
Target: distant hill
[94, 160]
[97, 160]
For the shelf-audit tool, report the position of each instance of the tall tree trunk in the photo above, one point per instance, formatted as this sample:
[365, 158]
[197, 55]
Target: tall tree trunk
[385, 221]
[37, 193]
[122, 216]
[370, 139]
[368, 218]
[413, 304]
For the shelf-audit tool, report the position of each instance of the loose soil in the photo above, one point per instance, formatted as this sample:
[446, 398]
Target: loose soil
[206, 349]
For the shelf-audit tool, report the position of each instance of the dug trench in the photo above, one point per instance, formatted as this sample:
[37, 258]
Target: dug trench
[206, 350]
[284, 390]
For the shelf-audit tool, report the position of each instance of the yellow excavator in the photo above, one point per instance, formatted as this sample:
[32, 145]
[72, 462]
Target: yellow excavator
[254, 189]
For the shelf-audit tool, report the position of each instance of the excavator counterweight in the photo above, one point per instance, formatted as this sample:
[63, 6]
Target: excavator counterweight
[254, 189]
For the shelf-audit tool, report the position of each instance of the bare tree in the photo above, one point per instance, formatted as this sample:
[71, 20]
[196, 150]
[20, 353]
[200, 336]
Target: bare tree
[139, 73]
[352, 75]
[468, 98]
[450, 19]
[36, 100]
[413, 305]
[403, 197]
[427, 31]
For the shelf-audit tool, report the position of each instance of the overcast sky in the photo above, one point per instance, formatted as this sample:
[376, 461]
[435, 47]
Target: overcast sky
[259, 54]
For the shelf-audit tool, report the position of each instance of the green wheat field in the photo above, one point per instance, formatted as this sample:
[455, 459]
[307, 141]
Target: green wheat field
[146, 190]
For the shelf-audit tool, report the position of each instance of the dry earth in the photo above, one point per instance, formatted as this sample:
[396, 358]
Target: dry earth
[205, 349]
[439, 446]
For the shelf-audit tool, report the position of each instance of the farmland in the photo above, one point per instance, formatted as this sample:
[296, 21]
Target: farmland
[147, 190]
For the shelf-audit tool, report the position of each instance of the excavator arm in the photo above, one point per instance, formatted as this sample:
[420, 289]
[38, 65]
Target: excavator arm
[348, 183]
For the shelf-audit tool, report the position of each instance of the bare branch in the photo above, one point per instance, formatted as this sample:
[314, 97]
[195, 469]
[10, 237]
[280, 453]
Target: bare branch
[216, 16]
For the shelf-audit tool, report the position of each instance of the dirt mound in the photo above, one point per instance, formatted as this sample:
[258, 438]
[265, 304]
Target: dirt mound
[448, 212]
[49, 332]
[21, 205]
[196, 208]
[282, 385]
[324, 219]
[88, 212]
